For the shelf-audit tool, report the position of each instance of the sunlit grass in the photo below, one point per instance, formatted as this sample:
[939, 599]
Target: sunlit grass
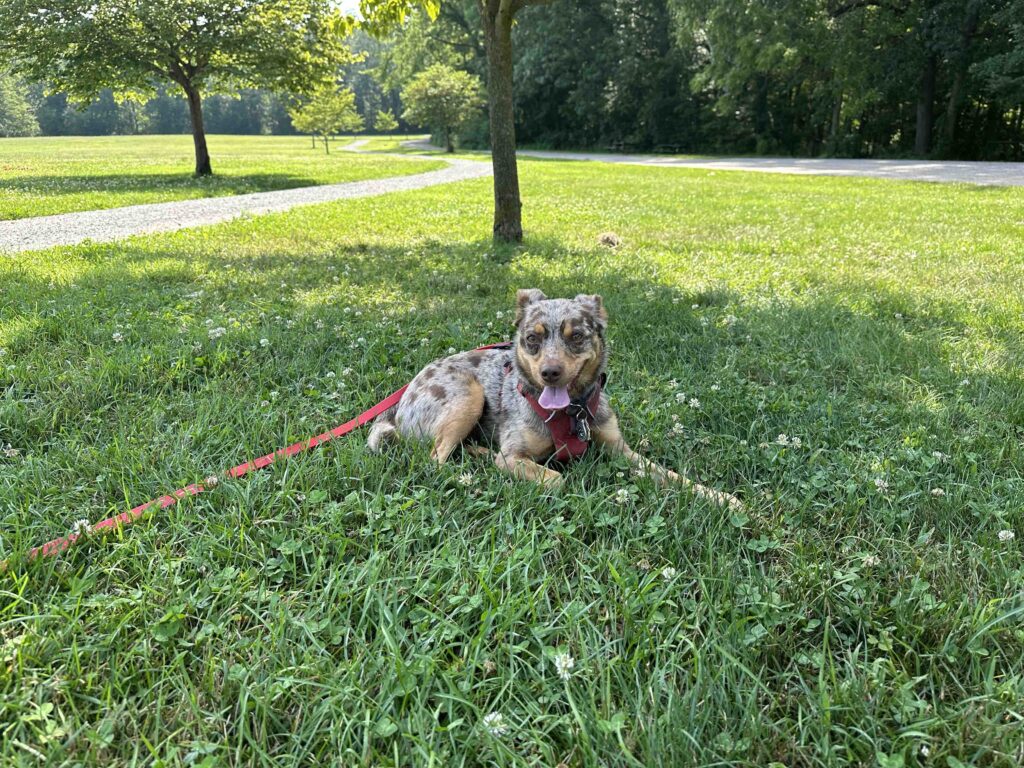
[854, 348]
[43, 176]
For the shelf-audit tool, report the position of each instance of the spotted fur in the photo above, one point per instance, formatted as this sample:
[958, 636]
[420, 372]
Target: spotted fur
[474, 395]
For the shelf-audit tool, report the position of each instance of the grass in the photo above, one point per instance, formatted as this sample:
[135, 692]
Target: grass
[44, 176]
[347, 609]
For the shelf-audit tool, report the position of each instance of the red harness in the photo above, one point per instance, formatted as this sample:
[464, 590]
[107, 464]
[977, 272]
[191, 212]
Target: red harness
[569, 426]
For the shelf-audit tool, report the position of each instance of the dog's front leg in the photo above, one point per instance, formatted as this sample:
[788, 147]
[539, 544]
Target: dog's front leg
[607, 434]
[526, 468]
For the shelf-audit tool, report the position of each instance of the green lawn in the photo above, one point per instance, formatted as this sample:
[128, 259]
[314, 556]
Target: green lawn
[856, 350]
[43, 176]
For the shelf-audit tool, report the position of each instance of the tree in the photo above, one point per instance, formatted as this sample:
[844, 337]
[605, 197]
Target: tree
[329, 112]
[442, 98]
[385, 121]
[203, 46]
[17, 118]
[496, 18]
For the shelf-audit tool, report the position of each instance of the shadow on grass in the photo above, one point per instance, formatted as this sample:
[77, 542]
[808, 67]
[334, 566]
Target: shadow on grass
[56, 185]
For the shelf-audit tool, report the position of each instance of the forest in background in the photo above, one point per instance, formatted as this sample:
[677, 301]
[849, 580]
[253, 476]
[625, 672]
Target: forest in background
[794, 77]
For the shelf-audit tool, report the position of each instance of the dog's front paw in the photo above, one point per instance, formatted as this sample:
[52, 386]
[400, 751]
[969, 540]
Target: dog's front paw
[551, 480]
[718, 497]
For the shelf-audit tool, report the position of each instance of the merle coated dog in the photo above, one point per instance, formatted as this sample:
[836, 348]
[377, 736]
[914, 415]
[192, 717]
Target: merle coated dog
[538, 398]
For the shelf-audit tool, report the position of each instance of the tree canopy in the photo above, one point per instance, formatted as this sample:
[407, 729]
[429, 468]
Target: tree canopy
[329, 111]
[444, 99]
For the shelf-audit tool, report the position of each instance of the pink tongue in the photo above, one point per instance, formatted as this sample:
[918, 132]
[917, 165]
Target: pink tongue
[554, 398]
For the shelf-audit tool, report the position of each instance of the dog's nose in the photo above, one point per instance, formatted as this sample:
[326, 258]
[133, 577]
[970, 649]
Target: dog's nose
[551, 373]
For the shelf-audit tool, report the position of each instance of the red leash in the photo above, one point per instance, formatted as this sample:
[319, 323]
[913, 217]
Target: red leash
[55, 547]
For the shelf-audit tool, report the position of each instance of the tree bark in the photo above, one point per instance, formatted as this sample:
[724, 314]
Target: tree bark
[508, 220]
[926, 107]
[956, 93]
[195, 111]
[448, 146]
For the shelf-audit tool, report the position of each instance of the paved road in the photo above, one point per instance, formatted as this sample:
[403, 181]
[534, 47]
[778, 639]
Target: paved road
[116, 223]
[1002, 174]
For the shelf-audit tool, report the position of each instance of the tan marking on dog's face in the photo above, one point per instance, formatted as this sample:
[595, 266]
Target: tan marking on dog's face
[564, 333]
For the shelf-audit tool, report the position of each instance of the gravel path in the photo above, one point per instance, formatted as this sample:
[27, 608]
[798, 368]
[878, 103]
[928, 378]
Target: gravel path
[116, 223]
[1001, 174]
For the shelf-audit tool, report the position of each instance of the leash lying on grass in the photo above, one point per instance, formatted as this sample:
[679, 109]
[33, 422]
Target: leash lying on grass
[55, 547]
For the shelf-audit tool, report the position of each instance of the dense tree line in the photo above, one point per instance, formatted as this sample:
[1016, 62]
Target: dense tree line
[942, 78]
[939, 78]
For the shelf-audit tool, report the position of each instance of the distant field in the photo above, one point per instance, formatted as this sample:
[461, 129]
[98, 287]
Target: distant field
[43, 176]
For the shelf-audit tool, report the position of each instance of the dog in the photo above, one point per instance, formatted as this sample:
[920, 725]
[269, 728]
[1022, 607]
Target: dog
[539, 397]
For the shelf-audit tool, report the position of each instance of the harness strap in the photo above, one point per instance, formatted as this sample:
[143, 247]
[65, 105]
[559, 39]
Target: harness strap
[569, 426]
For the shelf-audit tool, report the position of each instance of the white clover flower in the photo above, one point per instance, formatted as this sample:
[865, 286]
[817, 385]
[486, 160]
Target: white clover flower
[347, 372]
[361, 340]
[212, 481]
[939, 455]
[794, 442]
[870, 561]
[898, 315]
[329, 375]
[117, 337]
[938, 492]
[621, 496]
[499, 314]
[715, 387]
[319, 325]
[881, 485]
[730, 320]
[782, 439]
[678, 428]
[925, 751]
[265, 404]
[563, 665]
[680, 397]
[673, 383]
[1006, 535]
[495, 724]
[264, 342]
[694, 403]
[668, 573]
[452, 350]
[81, 528]
[11, 452]
[466, 478]
[964, 382]
[216, 333]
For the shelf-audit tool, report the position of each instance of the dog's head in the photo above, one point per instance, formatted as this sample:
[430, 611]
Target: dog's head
[560, 342]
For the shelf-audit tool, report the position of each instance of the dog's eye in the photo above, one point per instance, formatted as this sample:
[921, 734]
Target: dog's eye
[532, 339]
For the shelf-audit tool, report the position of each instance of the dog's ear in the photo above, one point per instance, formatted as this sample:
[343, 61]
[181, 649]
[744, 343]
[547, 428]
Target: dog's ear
[595, 304]
[524, 298]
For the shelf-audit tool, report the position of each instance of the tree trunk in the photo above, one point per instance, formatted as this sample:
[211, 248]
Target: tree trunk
[327, 144]
[925, 107]
[508, 216]
[195, 111]
[956, 93]
[833, 129]
[313, 137]
[448, 146]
